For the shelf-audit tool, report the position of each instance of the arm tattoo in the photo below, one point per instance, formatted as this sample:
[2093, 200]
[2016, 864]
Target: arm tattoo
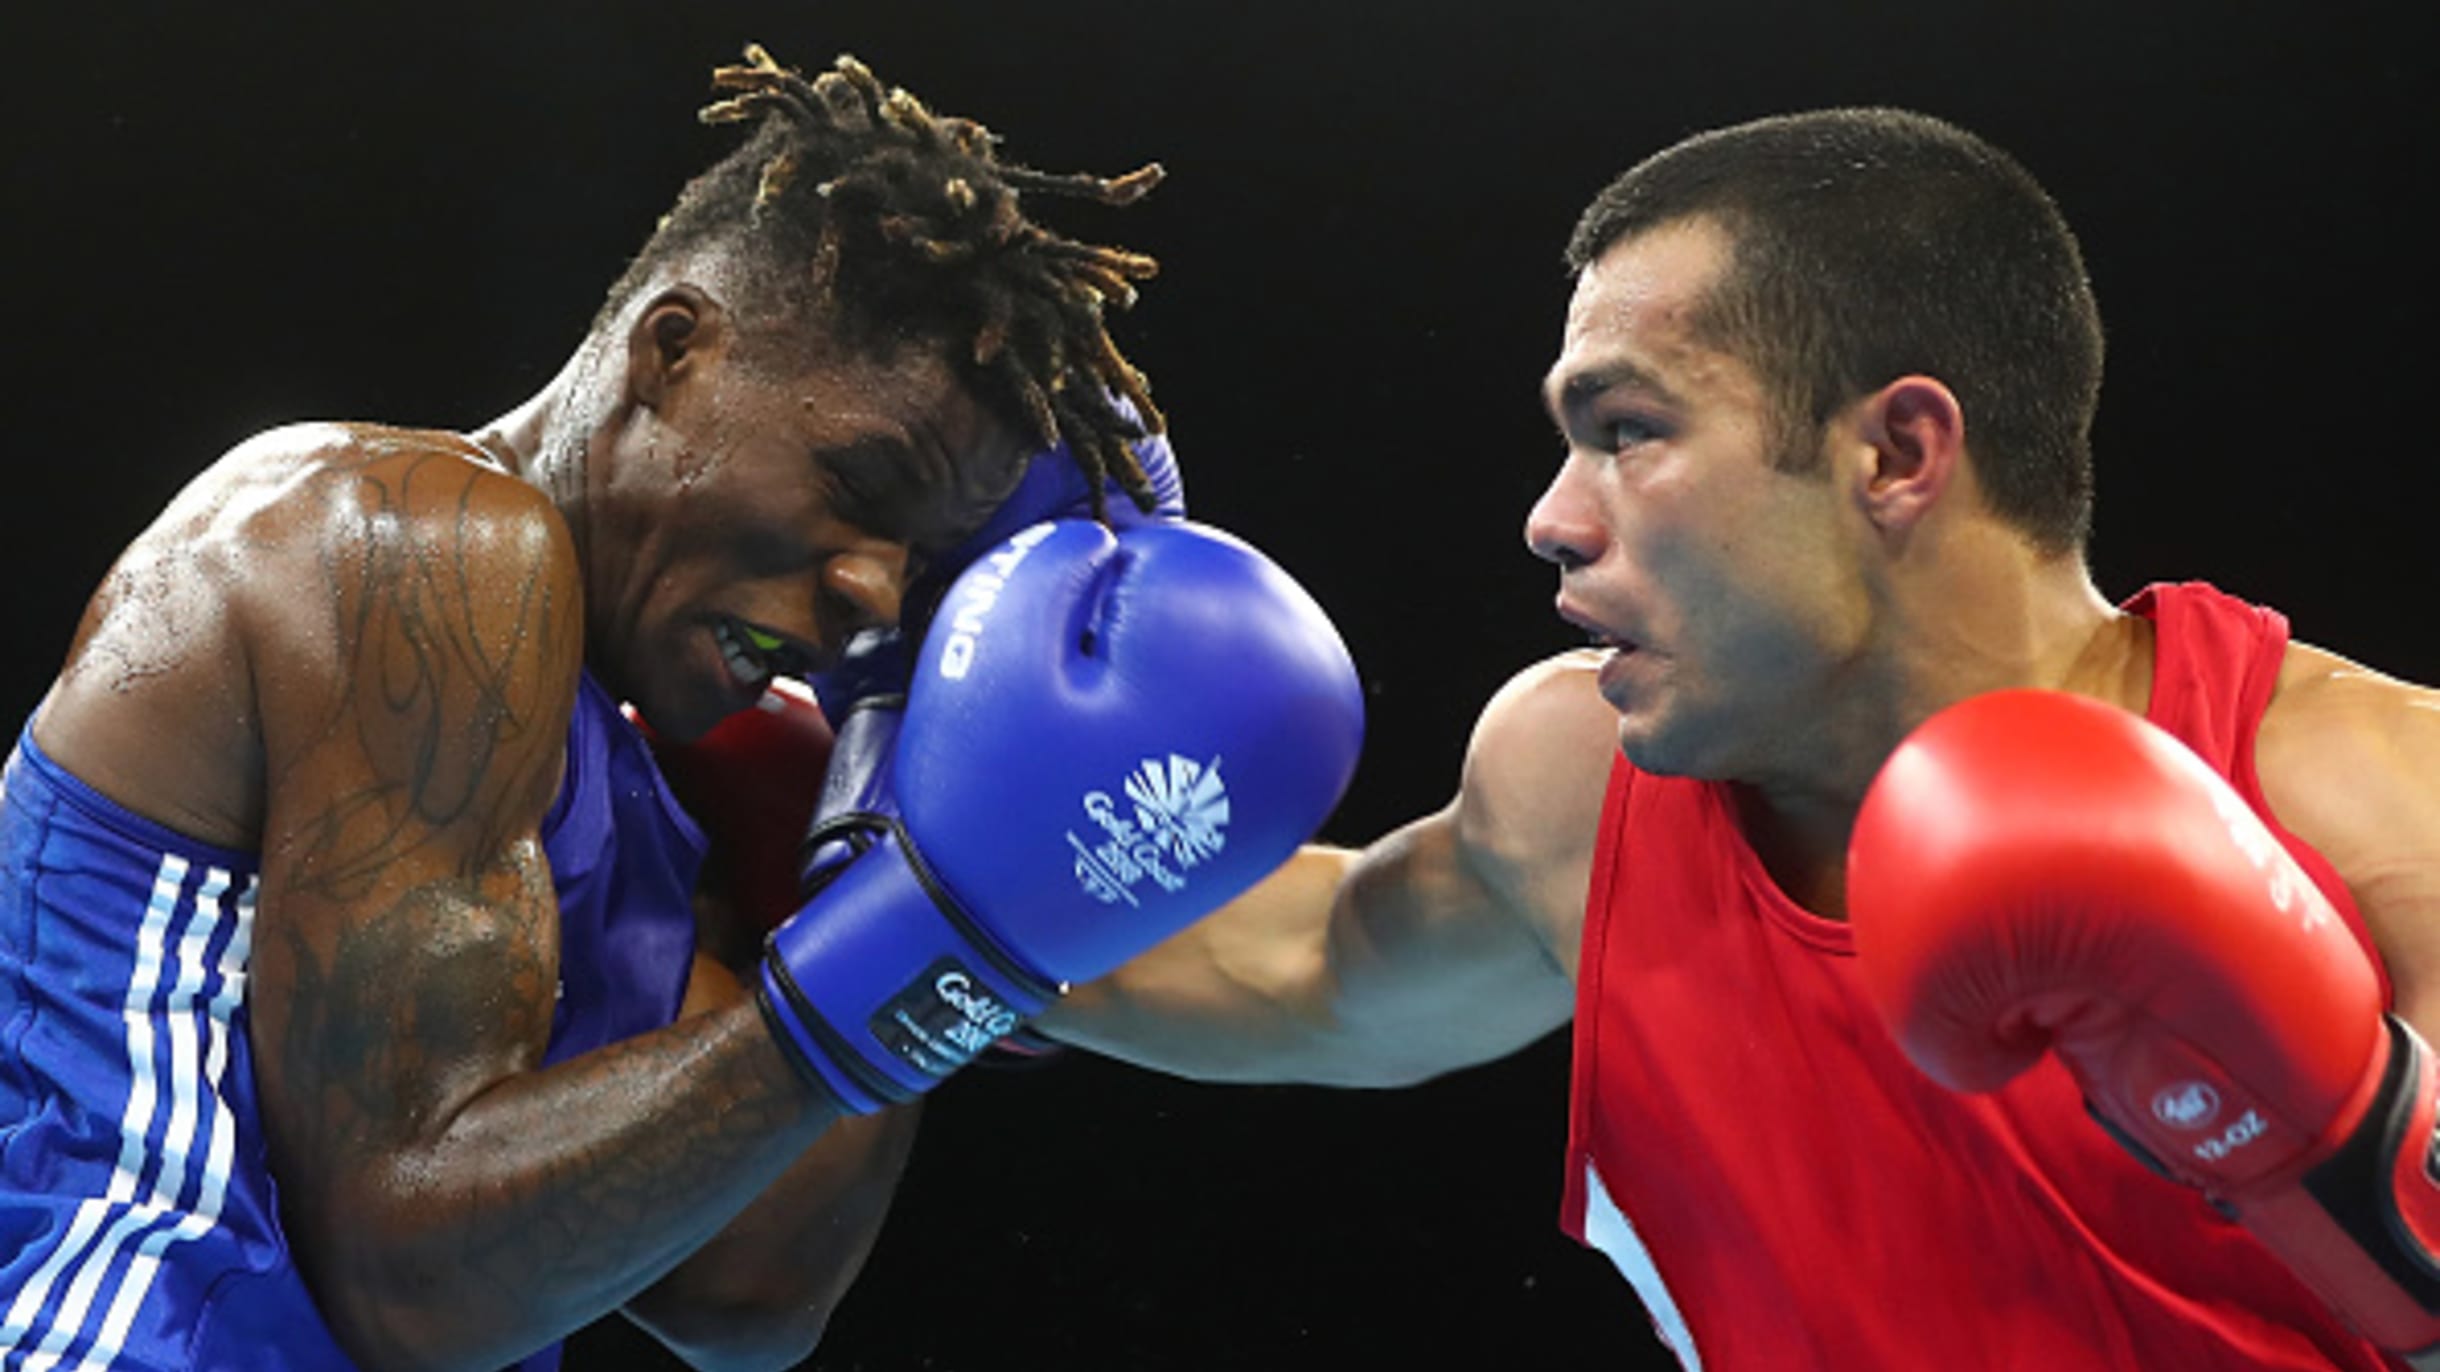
[421, 926]
[442, 1189]
[443, 654]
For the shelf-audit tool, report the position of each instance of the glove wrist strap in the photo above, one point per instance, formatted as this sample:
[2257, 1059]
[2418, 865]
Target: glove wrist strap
[883, 985]
[2349, 1230]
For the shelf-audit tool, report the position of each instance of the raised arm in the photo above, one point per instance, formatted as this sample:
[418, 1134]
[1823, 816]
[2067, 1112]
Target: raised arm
[1449, 942]
[451, 1204]
[761, 1293]
[2302, 1107]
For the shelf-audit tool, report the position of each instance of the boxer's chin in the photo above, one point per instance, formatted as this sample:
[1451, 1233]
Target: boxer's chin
[1662, 742]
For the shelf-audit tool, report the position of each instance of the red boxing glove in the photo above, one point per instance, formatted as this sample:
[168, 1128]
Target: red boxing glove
[2036, 872]
[751, 783]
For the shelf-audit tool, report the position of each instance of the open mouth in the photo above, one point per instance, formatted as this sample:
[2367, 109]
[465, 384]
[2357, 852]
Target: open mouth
[748, 652]
[755, 654]
[1596, 635]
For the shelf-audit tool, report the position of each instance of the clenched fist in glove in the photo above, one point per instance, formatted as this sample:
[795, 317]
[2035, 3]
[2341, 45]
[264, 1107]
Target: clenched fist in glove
[2035, 872]
[1107, 736]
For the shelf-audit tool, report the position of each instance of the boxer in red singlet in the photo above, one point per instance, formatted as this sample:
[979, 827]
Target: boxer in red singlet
[1825, 391]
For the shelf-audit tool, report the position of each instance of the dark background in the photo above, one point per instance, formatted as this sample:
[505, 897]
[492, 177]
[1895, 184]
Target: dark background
[225, 217]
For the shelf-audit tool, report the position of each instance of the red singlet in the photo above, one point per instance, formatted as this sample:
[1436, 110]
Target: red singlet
[1787, 1192]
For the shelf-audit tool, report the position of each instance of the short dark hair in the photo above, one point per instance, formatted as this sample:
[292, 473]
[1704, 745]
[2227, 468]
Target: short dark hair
[854, 204]
[1868, 244]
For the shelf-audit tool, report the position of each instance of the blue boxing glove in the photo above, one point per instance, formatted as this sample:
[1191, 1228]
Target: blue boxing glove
[1107, 737]
[863, 695]
[864, 698]
[1053, 487]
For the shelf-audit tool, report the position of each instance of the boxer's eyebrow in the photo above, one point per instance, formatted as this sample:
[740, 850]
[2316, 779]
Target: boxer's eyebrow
[866, 453]
[875, 479]
[1581, 389]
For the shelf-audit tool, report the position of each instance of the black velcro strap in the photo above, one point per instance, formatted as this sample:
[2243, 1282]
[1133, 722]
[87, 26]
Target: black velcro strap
[879, 700]
[976, 936]
[834, 1046]
[2353, 1183]
[858, 829]
[2127, 1141]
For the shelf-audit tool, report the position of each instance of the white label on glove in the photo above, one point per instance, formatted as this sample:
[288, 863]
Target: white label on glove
[2269, 857]
[2186, 1105]
[939, 1021]
[2249, 1126]
[976, 592]
[1179, 810]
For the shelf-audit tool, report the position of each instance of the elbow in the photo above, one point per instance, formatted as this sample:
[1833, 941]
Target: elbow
[1361, 1070]
[399, 1326]
[412, 1317]
[1371, 1052]
[735, 1336]
[398, 1294]
[384, 1340]
[379, 1310]
[1389, 1077]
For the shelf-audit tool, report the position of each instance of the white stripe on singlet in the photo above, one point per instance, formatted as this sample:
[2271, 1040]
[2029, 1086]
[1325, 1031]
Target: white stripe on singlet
[197, 1222]
[1607, 1228]
[137, 1119]
[190, 1079]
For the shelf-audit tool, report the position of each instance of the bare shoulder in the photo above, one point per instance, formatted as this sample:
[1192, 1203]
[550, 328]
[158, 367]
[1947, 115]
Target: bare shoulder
[1529, 808]
[324, 493]
[1539, 761]
[397, 564]
[2349, 759]
[348, 502]
[225, 606]
[2331, 718]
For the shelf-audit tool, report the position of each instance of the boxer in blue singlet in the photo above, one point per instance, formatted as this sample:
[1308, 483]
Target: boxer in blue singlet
[153, 1236]
[351, 1008]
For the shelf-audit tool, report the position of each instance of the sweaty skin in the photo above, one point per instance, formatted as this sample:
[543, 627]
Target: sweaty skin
[354, 650]
[1779, 625]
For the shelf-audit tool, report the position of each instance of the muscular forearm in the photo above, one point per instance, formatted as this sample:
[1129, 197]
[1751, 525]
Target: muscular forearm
[760, 1294]
[552, 1197]
[1250, 994]
[1381, 968]
[1211, 1031]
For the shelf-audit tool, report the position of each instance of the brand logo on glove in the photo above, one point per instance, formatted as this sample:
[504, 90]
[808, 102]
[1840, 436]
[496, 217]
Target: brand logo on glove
[2187, 1105]
[1179, 810]
[2249, 1126]
[2288, 883]
[986, 1018]
[979, 590]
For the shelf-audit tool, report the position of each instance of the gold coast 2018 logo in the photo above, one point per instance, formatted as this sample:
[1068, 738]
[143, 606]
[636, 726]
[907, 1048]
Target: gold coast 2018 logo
[1172, 822]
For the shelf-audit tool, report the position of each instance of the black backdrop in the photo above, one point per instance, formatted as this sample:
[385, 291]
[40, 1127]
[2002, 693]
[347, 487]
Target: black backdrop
[225, 217]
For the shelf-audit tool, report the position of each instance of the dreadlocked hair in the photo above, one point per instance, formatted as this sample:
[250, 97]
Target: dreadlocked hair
[898, 225]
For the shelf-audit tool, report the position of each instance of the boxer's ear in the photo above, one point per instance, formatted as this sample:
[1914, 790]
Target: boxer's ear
[679, 330]
[1912, 437]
